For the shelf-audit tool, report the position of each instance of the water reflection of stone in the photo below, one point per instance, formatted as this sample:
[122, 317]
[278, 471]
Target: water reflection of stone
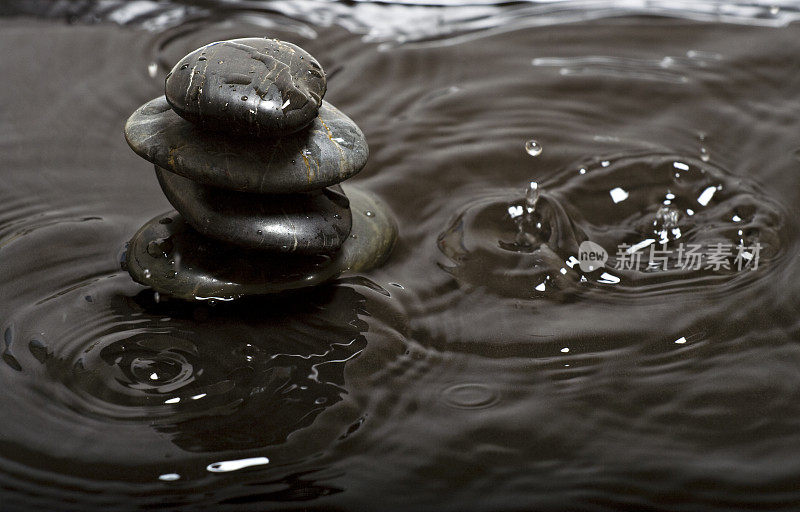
[229, 376]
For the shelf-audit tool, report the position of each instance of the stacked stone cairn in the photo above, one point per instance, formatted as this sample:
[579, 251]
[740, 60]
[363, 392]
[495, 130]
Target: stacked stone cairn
[252, 158]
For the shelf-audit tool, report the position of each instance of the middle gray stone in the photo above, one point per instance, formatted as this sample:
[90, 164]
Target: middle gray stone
[310, 223]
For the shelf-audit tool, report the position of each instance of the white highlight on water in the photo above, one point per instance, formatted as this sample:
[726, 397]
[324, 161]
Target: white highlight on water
[515, 211]
[706, 196]
[618, 194]
[607, 278]
[169, 477]
[235, 465]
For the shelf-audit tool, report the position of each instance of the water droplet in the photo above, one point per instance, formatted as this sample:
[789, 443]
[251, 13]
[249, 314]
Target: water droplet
[234, 465]
[565, 350]
[368, 213]
[244, 98]
[169, 477]
[774, 10]
[152, 69]
[159, 248]
[533, 148]
[147, 273]
[704, 154]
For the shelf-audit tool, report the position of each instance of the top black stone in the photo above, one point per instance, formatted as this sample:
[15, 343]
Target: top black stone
[256, 86]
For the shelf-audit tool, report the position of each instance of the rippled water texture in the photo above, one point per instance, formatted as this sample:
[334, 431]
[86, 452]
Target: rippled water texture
[480, 368]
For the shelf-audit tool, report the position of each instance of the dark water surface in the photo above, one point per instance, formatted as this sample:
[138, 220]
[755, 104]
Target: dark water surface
[476, 370]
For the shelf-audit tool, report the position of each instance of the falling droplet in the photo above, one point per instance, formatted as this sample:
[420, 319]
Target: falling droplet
[533, 148]
[704, 154]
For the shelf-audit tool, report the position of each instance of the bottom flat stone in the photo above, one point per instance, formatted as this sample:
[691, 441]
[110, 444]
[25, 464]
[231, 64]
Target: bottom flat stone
[168, 255]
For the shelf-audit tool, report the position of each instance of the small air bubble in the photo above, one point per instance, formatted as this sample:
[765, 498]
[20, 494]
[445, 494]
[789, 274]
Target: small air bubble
[533, 148]
[369, 213]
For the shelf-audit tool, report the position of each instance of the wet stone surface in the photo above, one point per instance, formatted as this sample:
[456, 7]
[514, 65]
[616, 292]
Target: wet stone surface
[168, 255]
[255, 86]
[313, 222]
[331, 150]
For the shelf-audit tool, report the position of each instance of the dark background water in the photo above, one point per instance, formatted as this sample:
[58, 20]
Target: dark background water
[443, 380]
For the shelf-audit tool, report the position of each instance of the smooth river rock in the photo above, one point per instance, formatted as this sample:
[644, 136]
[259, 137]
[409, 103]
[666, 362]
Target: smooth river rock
[308, 223]
[255, 86]
[168, 255]
[331, 150]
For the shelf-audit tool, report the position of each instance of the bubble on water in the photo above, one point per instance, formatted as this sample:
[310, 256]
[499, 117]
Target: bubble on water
[533, 148]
